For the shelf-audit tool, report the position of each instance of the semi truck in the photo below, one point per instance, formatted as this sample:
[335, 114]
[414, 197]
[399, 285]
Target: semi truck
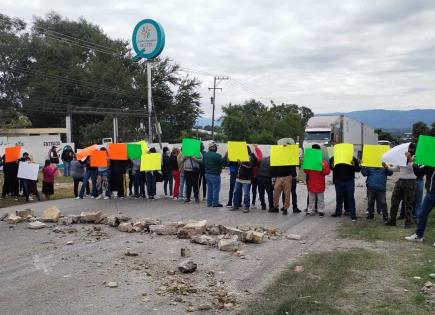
[330, 130]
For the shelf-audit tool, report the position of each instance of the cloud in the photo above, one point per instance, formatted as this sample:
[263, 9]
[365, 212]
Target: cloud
[345, 55]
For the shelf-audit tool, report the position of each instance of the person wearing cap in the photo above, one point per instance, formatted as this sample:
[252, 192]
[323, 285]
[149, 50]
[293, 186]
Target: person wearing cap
[213, 164]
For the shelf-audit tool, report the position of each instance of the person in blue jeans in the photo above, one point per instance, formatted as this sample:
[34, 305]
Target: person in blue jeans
[233, 166]
[427, 205]
[213, 164]
[344, 180]
[90, 174]
[243, 183]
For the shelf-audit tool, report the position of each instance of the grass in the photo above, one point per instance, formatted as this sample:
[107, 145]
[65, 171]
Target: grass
[63, 188]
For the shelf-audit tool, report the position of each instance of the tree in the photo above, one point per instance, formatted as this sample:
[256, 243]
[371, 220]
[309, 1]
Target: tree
[432, 131]
[256, 123]
[419, 128]
[384, 135]
[61, 64]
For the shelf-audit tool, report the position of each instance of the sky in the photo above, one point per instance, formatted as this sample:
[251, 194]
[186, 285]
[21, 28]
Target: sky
[330, 55]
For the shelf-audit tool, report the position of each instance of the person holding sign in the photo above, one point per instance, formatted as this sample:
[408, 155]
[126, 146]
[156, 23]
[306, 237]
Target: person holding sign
[10, 172]
[344, 180]
[376, 189]
[243, 182]
[213, 164]
[191, 174]
[427, 205]
[316, 186]
[102, 175]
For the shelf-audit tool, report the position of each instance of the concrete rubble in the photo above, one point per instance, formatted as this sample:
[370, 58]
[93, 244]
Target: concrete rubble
[37, 225]
[164, 229]
[192, 228]
[24, 213]
[13, 219]
[51, 214]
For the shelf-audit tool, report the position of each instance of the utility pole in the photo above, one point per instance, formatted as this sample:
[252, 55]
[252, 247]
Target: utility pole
[150, 110]
[217, 80]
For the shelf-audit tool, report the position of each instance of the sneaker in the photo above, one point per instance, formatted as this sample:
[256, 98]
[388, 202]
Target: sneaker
[77, 198]
[106, 197]
[229, 205]
[353, 220]
[92, 197]
[30, 198]
[335, 215]
[245, 210]
[296, 210]
[321, 214]
[175, 198]
[308, 213]
[414, 238]
[273, 210]
[234, 209]
[99, 197]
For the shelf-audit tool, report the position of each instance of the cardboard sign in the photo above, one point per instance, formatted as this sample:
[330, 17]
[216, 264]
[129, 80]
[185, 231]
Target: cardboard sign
[83, 153]
[312, 160]
[191, 147]
[12, 154]
[99, 159]
[284, 155]
[117, 151]
[143, 146]
[397, 155]
[372, 155]
[425, 153]
[28, 170]
[134, 151]
[238, 151]
[343, 153]
[150, 162]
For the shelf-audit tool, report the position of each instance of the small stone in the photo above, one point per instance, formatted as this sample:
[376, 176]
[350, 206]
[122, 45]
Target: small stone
[416, 278]
[112, 284]
[295, 237]
[51, 214]
[187, 266]
[185, 252]
[228, 245]
[65, 221]
[298, 269]
[170, 272]
[428, 284]
[228, 306]
[36, 225]
[130, 253]
[13, 219]
[204, 307]
[24, 213]
[125, 227]
[70, 243]
[164, 229]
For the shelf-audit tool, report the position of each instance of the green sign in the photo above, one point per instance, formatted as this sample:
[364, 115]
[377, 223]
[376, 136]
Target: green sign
[134, 151]
[425, 153]
[312, 160]
[191, 147]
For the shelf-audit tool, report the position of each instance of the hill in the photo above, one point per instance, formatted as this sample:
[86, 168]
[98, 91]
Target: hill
[392, 119]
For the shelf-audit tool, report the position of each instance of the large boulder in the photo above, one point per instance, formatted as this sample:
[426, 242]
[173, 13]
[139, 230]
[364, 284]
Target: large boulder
[229, 245]
[13, 219]
[51, 214]
[164, 229]
[24, 213]
[192, 229]
[91, 217]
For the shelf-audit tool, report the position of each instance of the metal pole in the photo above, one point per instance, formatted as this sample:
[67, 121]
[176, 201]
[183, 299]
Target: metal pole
[150, 126]
[214, 104]
[68, 128]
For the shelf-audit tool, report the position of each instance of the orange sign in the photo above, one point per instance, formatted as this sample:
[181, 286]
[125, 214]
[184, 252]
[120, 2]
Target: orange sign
[118, 151]
[99, 159]
[12, 154]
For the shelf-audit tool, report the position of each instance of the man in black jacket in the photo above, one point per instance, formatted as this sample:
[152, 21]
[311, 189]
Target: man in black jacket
[427, 205]
[344, 181]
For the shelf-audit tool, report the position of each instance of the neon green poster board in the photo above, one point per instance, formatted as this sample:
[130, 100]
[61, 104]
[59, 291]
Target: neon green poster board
[425, 153]
[191, 147]
[312, 160]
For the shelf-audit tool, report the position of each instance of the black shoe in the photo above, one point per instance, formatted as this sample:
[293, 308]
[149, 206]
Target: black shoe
[273, 210]
[234, 209]
[401, 217]
[335, 215]
[296, 210]
[263, 207]
[390, 223]
[321, 214]
[218, 206]
[284, 211]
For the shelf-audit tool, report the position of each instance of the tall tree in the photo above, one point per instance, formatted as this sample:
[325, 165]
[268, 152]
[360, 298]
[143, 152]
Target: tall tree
[419, 128]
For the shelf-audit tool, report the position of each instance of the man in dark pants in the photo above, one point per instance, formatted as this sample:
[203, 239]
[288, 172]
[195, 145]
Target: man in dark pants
[344, 180]
[233, 176]
[264, 181]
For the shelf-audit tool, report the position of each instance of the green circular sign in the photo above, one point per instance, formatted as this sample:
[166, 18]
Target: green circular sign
[148, 39]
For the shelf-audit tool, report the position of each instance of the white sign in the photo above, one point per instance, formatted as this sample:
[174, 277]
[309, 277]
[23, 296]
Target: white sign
[397, 155]
[28, 170]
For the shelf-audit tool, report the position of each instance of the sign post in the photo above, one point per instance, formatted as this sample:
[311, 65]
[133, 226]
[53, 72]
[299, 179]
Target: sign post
[148, 42]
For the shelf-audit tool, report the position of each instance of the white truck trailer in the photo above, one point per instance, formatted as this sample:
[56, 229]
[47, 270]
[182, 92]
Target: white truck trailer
[330, 130]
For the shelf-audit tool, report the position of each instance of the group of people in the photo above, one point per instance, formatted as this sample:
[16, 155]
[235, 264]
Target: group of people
[182, 176]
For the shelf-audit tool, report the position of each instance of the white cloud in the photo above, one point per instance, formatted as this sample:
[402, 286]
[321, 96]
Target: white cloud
[327, 55]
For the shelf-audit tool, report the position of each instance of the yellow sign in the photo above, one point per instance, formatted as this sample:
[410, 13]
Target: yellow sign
[284, 155]
[143, 146]
[238, 151]
[150, 162]
[372, 155]
[343, 153]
